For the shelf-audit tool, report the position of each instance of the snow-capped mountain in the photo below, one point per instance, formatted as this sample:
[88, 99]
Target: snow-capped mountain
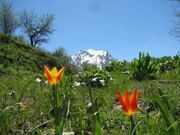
[91, 56]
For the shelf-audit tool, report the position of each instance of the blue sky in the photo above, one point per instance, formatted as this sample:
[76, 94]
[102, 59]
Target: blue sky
[123, 27]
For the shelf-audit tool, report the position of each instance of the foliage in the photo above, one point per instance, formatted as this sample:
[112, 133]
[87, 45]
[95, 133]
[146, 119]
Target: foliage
[177, 60]
[116, 65]
[162, 103]
[85, 66]
[143, 68]
[97, 77]
[6, 39]
[65, 60]
[167, 63]
[8, 19]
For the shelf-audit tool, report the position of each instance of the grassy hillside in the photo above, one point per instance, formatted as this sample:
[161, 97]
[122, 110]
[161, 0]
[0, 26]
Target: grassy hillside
[14, 56]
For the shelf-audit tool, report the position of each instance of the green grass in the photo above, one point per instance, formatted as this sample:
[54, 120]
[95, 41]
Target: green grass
[30, 102]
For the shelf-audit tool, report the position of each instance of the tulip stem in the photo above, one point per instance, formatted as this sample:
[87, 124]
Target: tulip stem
[56, 117]
[133, 126]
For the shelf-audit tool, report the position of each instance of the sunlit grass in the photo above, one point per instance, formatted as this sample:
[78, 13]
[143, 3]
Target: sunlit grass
[26, 108]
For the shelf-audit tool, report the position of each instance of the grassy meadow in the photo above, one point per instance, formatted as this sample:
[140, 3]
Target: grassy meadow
[26, 97]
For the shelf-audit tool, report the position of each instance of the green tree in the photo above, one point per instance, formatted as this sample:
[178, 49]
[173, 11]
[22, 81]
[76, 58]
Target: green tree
[65, 60]
[8, 19]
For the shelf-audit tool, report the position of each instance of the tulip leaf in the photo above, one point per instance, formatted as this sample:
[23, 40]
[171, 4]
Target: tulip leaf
[97, 128]
[164, 111]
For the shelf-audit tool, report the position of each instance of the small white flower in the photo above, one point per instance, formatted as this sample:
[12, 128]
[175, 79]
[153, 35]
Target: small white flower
[77, 84]
[12, 92]
[41, 113]
[89, 104]
[102, 82]
[68, 133]
[46, 81]
[112, 79]
[76, 75]
[96, 74]
[123, 127]
[95, 113]
[38, 80]
[94, 79]
[83, 83]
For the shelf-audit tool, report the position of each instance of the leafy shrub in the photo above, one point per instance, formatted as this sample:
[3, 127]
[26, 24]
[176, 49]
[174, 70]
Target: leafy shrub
[165, 63]
[96, 77]
[65, 60]
[176, 60]
[116, 65]
[166, 66]
[143, 68]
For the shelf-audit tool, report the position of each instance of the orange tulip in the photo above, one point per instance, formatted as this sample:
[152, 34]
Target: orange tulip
[129, 102]
[53, 76]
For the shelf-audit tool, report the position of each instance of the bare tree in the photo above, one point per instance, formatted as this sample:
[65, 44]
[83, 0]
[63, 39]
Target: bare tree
[8, 19]
[37, 28]
[175, 31]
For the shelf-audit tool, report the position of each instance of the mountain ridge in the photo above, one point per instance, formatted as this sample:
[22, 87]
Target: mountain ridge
[92, 56]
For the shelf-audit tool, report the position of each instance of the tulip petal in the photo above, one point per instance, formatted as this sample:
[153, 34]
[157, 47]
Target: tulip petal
[134, 100]
[54, 72]
[122, 101]
[127, 100]
[47, 74]
[60, 74]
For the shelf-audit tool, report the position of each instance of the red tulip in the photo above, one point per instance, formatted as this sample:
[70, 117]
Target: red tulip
[129, 102]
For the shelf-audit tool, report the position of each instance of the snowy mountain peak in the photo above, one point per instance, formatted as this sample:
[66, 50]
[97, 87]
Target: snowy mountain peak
[91, 56]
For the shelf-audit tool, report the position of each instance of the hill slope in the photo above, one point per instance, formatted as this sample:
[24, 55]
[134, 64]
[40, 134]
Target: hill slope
[15, 56]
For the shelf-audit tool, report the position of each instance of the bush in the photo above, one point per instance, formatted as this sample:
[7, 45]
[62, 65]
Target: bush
[64, 60]
[143, 68]
[116, 65]
[96, 77]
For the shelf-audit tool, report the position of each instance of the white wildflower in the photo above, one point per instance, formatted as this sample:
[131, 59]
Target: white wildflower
[46, 81]
[89, 104]
[94, 79]
[83, 83]
[112, 79]
[102, 82]
[77, 84]
[95, 113]
[38, 80]
[68, 133]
